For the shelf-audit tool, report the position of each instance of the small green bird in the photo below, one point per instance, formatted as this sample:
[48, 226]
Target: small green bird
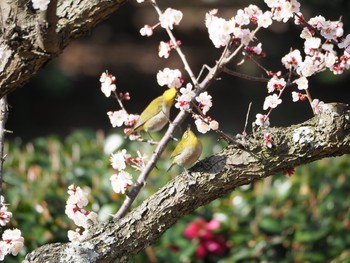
[187, 151]
[156, 114]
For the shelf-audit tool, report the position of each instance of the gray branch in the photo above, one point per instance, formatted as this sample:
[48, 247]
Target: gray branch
[325, 135]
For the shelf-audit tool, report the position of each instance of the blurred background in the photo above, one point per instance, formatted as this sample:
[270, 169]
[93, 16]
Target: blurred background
[62, 135]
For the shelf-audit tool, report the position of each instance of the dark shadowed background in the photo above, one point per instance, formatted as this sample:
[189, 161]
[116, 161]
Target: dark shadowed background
[66, 95]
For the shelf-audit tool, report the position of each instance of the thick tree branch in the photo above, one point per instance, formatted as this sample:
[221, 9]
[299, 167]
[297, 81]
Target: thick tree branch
[29, 38]
[325, 135]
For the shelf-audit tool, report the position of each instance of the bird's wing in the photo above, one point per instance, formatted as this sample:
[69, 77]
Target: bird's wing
[178, 149]
[151, 110]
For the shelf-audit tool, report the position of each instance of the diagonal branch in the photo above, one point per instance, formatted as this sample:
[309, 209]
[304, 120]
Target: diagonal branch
[325, 135]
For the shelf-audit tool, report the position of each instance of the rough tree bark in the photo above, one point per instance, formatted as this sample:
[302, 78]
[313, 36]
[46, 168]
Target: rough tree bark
[29, 39]
[325, 135]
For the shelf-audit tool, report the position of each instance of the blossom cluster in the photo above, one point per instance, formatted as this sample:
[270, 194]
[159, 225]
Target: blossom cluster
[209, 242]
[121, 180]
[222, 32]
[322, 38]
[167, 19]
[77, 200]
[170, 77]
[187, 96]
[12, 240]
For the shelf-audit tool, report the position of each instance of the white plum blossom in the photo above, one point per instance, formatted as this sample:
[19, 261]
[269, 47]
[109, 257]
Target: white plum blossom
[205, 125]
[40, 4]
[147, 30]
[302, 83]
[170, 77]
[242, 18]
[253, 12]
[262, 120]
[345, 44]
[202, 126]
[14, 240]
[214, 125]
[256, 49]
[283, 10]
[118, 160]
[296, 96]
[170, 17]
[187, 94]
[131, 119]
[307, 68]
[4, 249]
[219, 29]
[107, 84]
[311, 44]
[117, 118]
[265, 19]
[330, 30]
[306, 33]
[121, 181]
[292, 59]
[80, 216]
[78, 198]
[246, 37]
[205, 101]
[271, 101]
[164, 49]
[5, 215]
[276, 83]
[317, 105]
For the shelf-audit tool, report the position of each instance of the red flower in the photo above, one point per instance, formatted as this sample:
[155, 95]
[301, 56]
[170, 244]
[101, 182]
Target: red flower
[209, 242]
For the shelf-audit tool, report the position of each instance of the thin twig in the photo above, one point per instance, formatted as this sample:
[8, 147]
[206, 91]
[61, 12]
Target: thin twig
[246, 119]
[244, 76]
[178, 49]
[3, 119]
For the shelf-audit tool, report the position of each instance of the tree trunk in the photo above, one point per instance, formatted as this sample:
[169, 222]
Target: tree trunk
[325, 135]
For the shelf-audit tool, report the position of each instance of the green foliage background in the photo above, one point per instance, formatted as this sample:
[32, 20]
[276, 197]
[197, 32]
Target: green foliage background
[302, 218]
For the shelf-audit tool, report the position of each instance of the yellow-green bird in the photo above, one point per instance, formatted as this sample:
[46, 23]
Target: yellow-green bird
[156, 114]
[187, 151]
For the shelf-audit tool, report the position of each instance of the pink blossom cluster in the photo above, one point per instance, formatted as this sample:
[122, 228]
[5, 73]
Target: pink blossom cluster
[165, 48]
[77, 200]
[11, 243]
[121, 180]
[170, 77]
[203, 233]
[12, 240]
[167, 19]
[322, 38]
[107, 83]
[204, 123]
